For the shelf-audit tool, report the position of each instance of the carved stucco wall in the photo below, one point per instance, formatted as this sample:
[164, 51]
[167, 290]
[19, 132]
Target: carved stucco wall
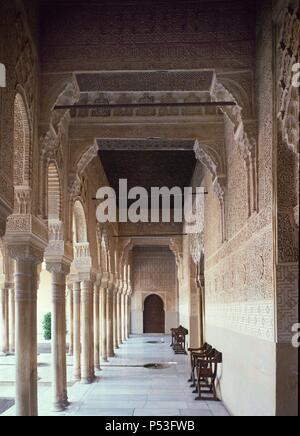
[154, 272]
[18, 53]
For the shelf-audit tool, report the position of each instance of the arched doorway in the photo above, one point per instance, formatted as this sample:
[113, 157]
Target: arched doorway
[154, 315]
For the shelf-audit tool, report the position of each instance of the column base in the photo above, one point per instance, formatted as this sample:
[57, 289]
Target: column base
[87, 381]
[97, 368]
[104, 359]
[58, 407]
[112, 355]
[4, 354]
[77, 376]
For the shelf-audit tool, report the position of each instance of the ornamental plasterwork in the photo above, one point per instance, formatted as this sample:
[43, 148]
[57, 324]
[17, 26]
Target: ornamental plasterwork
[75, 180]
[197, 246]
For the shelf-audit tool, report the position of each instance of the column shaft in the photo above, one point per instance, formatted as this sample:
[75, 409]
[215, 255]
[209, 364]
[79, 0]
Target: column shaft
[96, 328]
[71, 321]
[76, 329]
[4, 321]
[119, 323]
[110, 323]
[86, 339]
[115, 320]
[103, 325]
[26, 338]
[12, 321]
[58, 332]
[123, 317]
[126, 317]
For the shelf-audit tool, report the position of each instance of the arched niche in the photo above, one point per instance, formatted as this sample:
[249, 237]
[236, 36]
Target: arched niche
[79, 223]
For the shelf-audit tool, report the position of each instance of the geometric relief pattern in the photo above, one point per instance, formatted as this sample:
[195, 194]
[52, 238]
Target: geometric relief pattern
[249, 318]
[239, 287]
[287, 300]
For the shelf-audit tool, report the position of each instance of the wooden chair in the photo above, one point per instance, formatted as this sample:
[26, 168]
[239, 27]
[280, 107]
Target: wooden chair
[180, 340]
[207, 369]
[194, 353]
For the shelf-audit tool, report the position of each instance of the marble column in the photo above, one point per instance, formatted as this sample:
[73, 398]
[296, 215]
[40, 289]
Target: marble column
[96, 327]
[91, 325]
[119, 319]
[58, 334]
[110, 322]
[123, 317]
[103, 324]
[126, 316]
[12, 320]
[115, 320]
[4, 320]
[76, 330]
[87, 375]
[26, 335]
[71, 320]
[129, 316]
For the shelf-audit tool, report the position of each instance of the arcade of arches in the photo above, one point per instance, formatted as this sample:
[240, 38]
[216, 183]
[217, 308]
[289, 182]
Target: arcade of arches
[234, 283]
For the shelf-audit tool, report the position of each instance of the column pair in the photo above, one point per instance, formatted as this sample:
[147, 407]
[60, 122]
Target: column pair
[83, 331]
[107, 317]
[59, 271]
[110, 318]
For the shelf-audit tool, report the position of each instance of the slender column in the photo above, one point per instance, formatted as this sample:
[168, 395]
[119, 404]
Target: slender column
[26, 336]
[71, 320]
[86, 339]
[110, 323]
[119, 320]
[126, 316]
[129, 316]
[4, 321]
[12, 320]
[103, 324]
[115, 316]
[91, 326]
[77, 343]
[58, 334]
[123, 317]
[96, 327]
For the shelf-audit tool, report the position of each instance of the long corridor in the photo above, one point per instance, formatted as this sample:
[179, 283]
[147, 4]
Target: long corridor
[125, 388]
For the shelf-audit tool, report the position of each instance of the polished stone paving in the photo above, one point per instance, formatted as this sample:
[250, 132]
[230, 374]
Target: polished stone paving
[123, 387]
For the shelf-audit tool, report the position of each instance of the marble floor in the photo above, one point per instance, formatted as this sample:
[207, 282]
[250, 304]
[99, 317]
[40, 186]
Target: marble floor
[123, 387]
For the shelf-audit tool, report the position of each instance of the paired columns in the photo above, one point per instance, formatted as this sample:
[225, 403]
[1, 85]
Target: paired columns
[59, 272]
[86, 345]
[76, 330]
[97, 326]
[110, 320]
[87, 369]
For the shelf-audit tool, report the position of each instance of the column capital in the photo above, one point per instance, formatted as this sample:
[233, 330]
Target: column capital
[104, 280]
[26, 252]
[58, 266]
